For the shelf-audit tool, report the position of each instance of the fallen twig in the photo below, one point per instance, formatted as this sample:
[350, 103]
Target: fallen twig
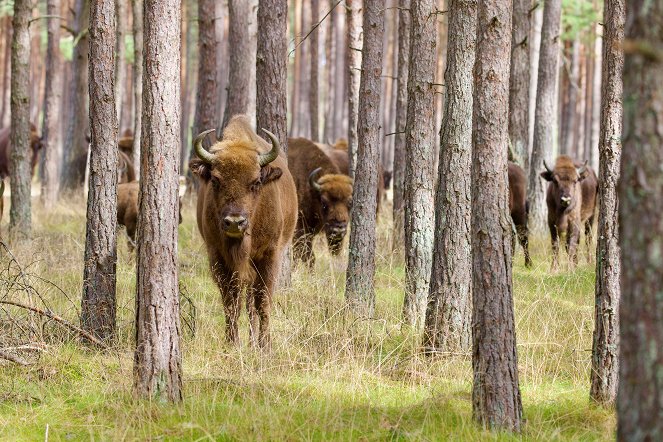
[13, 358]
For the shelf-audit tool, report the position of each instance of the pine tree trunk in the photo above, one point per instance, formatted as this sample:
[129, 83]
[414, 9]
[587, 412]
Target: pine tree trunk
[419, 151]
[138, 81]
[589, 91]
[221, 31]
[566, 142]
[535, 46]
[5, 69]
[341, 76]
[495, 394]
[449, 310]
[330, 58]
[640, 395]
[158, 358]
[240, 60]
[98, 304]
[120, 59]
[313, 96]
[544, 114]
[353, 55]
[51, 133]
[596, 105]
[519, 81]
[606, 320]
[295, 103]
[20, 171]
[398, 176]
[359, 288]
[206, 94]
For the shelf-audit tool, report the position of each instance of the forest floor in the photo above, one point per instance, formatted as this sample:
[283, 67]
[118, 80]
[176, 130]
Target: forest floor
[328, 376]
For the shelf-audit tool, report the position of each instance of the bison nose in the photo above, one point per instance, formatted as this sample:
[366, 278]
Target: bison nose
[566, 201]
[234, 222]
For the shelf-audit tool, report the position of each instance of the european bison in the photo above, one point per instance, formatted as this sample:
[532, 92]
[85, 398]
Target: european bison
[35, 144]
[247, 210]
[125, 168]
[519, 207]
[324, 196]
[571, 200]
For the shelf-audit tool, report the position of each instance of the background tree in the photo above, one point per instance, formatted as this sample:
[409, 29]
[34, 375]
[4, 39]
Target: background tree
[158, 359]
[353, 61]
[519, 81]
[120, 58]
[98, 304]
[419, 150]
[544, 114]
[206, 95]
[137, 8]
[639, 411]
[359, 289]
[496, 399]
[314, 95]
[240, 60]
[449, 310]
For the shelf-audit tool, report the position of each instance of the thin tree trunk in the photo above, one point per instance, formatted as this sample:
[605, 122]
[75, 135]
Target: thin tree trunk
[589, 91]
[519, 81]
[120, 60]
[353, 62]
[569, 113]
[189, 82]
[449, 309]
[158, 359]
[596, 105]
[606, 319]
[20, 171]
[340, 74]
[138, 82]
[206, 95]
[535, 46]
[330, 58]
[221, 27]
[314, 96]
[544, 115]
[98, 305]
[496, 401]
[359, 288]
[51, 133]
[296, 69]
[6, 69]
[419, 150]
[240, 60]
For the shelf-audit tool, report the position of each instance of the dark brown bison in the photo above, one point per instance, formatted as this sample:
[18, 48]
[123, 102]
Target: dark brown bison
[35, 144]
[126, 145]
[519, 207]
[571, 200]
[125, 168]
[247, 210]
[324, 195]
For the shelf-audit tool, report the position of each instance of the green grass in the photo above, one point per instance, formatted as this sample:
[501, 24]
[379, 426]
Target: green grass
[329, 376]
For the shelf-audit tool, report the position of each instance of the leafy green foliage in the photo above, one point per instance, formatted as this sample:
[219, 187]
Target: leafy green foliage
[578, 17]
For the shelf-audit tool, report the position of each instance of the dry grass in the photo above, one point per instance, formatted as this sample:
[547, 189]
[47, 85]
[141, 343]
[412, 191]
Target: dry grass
[329, 375]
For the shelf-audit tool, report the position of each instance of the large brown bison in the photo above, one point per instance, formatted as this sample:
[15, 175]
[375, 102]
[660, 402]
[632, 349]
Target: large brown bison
[519, 207]
[571, 200]
[324, 195]
[35, 144]
[247, 210]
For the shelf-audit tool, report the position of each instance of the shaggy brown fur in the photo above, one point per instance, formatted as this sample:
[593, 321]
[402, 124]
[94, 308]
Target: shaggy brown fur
[126, 146]
[265, 197]
[325, 209]
[571, 200]
[519, 207]
[125, 168]
[35, 144]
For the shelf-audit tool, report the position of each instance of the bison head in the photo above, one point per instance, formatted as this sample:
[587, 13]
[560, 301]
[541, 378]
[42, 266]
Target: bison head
[333, 200]
[565, 179]
[234, 172]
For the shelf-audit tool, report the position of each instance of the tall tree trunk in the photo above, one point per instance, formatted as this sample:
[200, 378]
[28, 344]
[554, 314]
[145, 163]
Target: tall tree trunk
[544, 114]
[240, 61]
[341, 76]
[120, 59]
[296, 68]
[314, 96]
[535, 46]
[359, 288]
[353, 62]
[20, 171]
[206, 94]
[138, 81]
[569, 114]
[449, 309]
[76, 144]
[398, 176]
[221, 25]
[419, 150]
[330, 57]
[519, 81]
[51, 132]
[189, 81]
[606, 319]
[158, 359]
[496, 399]
[588, 100]
[6, 69]
[98, 304]
[596, 105]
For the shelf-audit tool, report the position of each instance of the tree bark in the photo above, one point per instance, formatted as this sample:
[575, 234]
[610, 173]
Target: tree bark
[313, 96]
[495, 395]
[398, 177]
[449, 310]
[419, 151]
[240, 61]
[98, 305]
[519, 81]
[353, 62]
[138, 81]
[544, 114]
[51, 133]
[330, 57]
[596, 105]
[569, 114]
[20, 170]
[359, 288]
[535, 46]
[640, 395]
[6, 69]
[120, 59]
[606, 318]
[158, 359]
[206, 94]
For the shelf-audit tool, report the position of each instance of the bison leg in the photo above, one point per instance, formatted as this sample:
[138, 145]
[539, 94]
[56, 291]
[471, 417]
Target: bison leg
[554, 238]
[573, 237]
[588, 238]
[131, 233]
[230, 294]
[262, 290]
[253, 317]
[523, 238]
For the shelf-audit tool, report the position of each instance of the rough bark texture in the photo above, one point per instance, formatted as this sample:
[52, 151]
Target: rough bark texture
[519, 82]
[570, 121]
[495, 394]
[640, 395]
[419, 151]
[20, 169]
[5, 69]
[138, 81]
[544, 114]
[98, 303]
[596, 104]
[359, 288]
[240, 61]
[313, 95]
[76, 144]
[353, 62]
[206, 94]
[158, 359]
[398, 176]
[449, 309]
[120, 58]
[51, 132]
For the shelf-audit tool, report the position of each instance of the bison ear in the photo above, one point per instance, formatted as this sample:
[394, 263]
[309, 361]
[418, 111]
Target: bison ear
[270, 173]
[200, 168]
[547, 175]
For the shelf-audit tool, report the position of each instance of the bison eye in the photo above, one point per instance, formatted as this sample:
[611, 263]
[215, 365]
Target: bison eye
[255, 186]
[216, 183]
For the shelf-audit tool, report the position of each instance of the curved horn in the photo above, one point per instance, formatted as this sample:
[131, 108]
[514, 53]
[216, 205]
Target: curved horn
[312, 179]
[582, 168]
[546, 166]
[266, 158]
[200, 150]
